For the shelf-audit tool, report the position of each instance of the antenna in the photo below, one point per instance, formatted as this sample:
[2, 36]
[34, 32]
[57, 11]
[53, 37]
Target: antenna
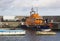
[32, 9]
[37, 10]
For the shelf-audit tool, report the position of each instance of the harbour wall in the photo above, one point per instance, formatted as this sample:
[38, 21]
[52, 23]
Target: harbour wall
[17, 23]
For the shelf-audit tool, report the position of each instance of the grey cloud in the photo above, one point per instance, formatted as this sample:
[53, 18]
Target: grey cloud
[22, 7]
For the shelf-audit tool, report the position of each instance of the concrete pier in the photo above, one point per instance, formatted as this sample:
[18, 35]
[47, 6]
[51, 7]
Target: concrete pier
[45, 33]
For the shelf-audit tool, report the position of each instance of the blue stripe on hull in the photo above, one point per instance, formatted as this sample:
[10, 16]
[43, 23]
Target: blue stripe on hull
[11, 30]
[44, 27]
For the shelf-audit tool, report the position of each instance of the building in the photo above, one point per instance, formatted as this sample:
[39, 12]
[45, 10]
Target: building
[1, 18]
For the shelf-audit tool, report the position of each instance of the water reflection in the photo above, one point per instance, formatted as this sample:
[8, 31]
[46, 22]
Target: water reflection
[31, 35]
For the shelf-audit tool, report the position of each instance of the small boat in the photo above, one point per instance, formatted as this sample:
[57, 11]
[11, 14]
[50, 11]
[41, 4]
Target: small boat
[12, 32]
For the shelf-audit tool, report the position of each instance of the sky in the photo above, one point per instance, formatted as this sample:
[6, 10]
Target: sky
[23, 7]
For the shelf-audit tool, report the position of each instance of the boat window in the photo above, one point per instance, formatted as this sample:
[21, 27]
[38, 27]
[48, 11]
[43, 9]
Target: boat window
[38, 19]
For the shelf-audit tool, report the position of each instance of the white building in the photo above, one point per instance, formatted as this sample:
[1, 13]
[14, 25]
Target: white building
[9, 18]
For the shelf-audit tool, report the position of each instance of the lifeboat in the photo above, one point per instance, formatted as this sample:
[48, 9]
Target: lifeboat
[36, 22]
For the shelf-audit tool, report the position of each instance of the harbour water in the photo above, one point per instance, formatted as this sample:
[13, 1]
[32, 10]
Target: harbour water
[30, 36]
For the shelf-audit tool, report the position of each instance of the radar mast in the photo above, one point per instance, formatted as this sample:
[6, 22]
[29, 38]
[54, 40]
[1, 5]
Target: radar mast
[32, 11]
